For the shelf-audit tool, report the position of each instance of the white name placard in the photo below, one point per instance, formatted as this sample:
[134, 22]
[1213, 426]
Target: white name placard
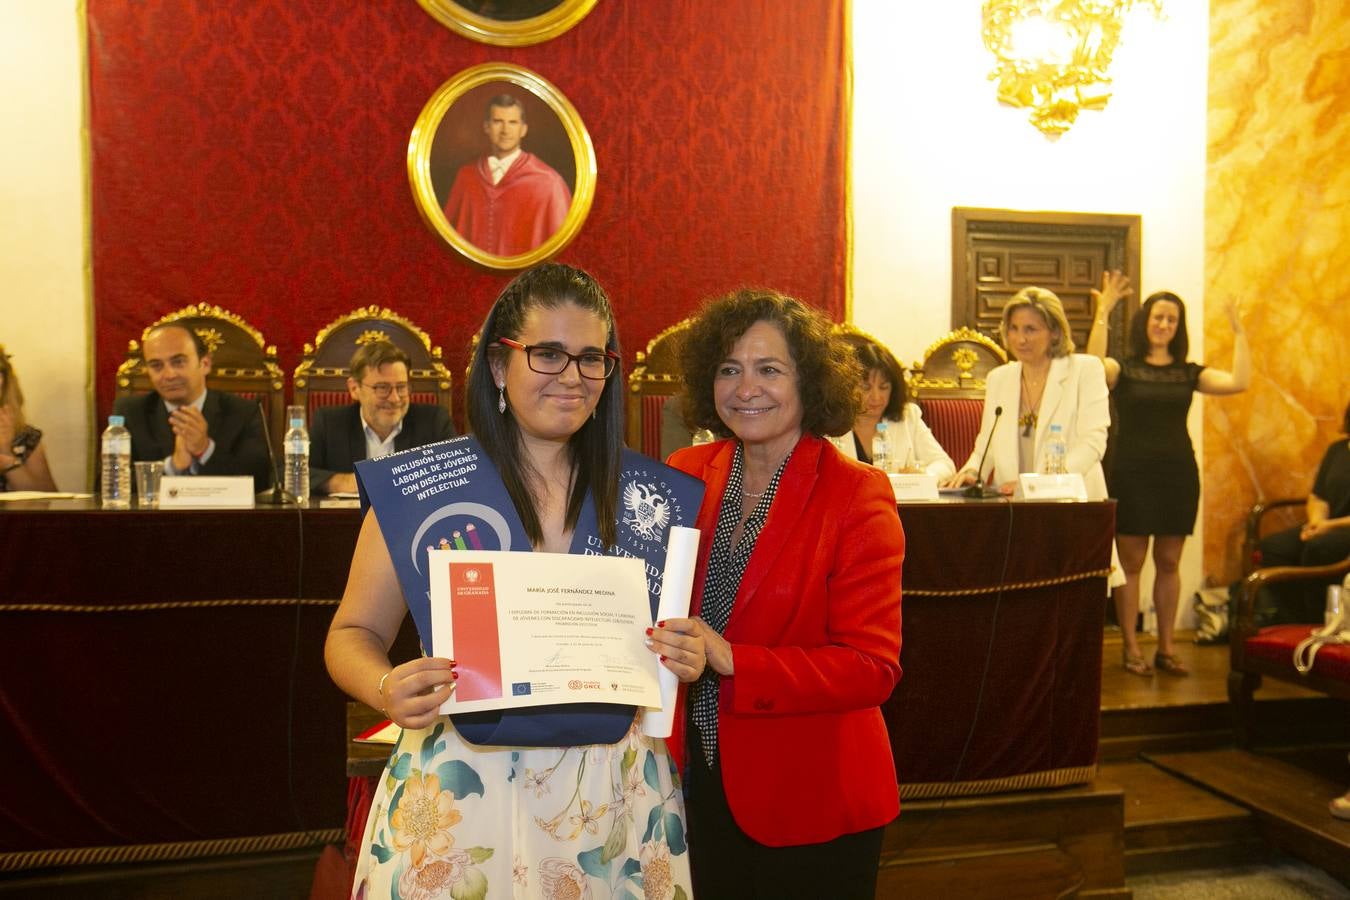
[198, 491]
[914, 486]
[1032, 486]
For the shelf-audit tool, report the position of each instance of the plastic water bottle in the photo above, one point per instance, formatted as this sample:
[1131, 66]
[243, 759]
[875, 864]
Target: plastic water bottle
[115, 484]
[1056, 452]
[881, 448]
[296, 443]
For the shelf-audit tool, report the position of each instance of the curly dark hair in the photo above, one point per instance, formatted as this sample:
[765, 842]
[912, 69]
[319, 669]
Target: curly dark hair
[828, 373]
[1180, 344]
[875, 358]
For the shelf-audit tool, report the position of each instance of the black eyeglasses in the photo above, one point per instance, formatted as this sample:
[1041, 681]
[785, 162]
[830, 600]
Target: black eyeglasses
[384, 389]
[592, 364]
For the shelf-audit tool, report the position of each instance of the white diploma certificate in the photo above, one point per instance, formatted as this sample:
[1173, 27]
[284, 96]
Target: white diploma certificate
[529, 629]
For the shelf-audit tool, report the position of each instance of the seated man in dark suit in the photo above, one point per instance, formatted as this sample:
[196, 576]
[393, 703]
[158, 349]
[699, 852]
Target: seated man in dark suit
[381, 421]
[195, 431]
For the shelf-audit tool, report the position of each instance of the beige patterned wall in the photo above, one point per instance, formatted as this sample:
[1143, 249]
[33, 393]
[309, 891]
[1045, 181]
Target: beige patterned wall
[1278, 237]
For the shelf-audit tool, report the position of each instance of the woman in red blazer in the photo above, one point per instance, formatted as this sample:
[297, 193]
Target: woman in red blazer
[790, 774]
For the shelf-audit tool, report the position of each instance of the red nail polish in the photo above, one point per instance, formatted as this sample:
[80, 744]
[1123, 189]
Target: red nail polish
[649, 631]
[454, 674]
[663, 659]
[661, 624]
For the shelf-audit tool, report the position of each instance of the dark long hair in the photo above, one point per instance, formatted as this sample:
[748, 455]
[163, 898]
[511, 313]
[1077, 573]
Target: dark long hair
[876, 358]
[595, 449]
[1180, 344]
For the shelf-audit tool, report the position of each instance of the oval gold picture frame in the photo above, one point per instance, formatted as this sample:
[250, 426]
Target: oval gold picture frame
[504, 32]
[456, 108]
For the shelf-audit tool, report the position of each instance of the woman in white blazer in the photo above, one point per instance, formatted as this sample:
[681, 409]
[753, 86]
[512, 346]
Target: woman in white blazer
[912, 446]
[1046, 384]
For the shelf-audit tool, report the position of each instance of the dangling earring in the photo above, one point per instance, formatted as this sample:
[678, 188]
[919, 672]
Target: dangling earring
[501, 399]
[593, 412]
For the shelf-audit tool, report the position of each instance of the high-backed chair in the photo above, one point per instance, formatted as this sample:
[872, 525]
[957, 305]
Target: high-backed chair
[653, 389]
[1256, 652]
[241, 361]
[855, 335]
[321, 377]
[948, 385]
[1265, 518]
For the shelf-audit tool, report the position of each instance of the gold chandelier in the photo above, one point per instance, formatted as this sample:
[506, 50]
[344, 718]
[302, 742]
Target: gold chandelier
[1053, 54]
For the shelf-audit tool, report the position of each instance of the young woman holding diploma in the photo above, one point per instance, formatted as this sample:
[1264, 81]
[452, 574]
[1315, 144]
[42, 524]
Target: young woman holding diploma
[452, 817]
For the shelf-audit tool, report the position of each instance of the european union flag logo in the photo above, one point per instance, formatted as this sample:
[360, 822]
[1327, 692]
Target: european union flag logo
[520, 688]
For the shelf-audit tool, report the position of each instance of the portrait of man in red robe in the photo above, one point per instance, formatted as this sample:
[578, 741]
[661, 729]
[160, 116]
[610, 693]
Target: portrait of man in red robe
[508, 201]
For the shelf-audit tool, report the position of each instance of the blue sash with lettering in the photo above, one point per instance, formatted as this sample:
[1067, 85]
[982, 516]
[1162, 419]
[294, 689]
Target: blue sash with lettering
[450, 496]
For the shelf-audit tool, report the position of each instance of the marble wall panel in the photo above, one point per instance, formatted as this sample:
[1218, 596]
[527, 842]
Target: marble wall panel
[1278, 238]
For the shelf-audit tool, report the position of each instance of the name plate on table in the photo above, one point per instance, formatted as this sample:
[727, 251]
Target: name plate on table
[914, 486]
[206, 491]
[1032, 486]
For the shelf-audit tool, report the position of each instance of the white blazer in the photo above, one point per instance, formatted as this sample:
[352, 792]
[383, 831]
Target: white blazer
[1075, 398]
[908, 438]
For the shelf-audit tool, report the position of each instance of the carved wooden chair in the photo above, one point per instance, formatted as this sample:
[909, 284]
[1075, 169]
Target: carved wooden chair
[654, 387]
[949, 386]
[242, 363]
[1256, 652]
[321, 377]
[1266, 518]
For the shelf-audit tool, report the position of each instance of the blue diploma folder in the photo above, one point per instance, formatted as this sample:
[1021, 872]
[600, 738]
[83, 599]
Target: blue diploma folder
[449, 495]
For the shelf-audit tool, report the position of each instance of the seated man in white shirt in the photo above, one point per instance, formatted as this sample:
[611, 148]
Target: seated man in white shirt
[379, 421]
[193, 430]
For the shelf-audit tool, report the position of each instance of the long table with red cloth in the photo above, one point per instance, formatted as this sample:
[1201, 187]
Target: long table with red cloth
[1004, 606]
[162, 689]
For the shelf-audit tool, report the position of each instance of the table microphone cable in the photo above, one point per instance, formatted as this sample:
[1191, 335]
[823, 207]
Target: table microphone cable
[292, 676]
[984, 678]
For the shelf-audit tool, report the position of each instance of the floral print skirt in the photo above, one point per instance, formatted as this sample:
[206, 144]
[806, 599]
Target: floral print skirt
[455, 820]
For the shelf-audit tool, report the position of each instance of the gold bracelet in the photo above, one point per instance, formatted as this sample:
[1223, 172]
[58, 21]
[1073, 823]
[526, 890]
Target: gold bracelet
[380, 689]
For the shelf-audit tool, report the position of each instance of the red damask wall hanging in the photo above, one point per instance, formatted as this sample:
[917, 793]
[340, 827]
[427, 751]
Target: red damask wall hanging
[253, 156]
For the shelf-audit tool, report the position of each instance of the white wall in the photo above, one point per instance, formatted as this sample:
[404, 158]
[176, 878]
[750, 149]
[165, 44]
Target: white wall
[929, 135]
[45, 321]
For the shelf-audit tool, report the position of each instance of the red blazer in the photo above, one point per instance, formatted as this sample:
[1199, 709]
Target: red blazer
[815, 637]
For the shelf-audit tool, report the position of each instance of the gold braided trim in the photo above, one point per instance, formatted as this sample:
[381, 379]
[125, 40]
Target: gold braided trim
[150, 607]
[1049, 778]
[1019, 586]
[139, 853]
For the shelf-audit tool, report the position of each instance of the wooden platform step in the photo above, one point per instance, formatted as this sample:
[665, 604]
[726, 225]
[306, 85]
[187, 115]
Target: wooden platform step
[1032, 844]
[1172, 824]
[1127, 732]
[1288, 801]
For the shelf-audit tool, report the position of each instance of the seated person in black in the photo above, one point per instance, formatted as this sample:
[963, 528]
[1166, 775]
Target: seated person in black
[193, 430]
[23, 457]
[379, 422]
[1320, 541]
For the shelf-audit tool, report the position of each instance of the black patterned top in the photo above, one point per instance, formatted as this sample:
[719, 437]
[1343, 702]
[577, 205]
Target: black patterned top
[1151, 407]
[726, 565]
[25, 442]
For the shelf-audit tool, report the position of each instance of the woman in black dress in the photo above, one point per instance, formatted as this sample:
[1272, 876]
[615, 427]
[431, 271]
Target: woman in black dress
[1154, 477]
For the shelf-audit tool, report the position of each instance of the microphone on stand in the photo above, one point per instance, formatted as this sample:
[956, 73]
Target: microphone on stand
[978, 490]
[276, 496]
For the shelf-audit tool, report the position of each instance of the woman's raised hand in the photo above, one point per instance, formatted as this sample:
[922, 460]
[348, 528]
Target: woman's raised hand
[1115, 287]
